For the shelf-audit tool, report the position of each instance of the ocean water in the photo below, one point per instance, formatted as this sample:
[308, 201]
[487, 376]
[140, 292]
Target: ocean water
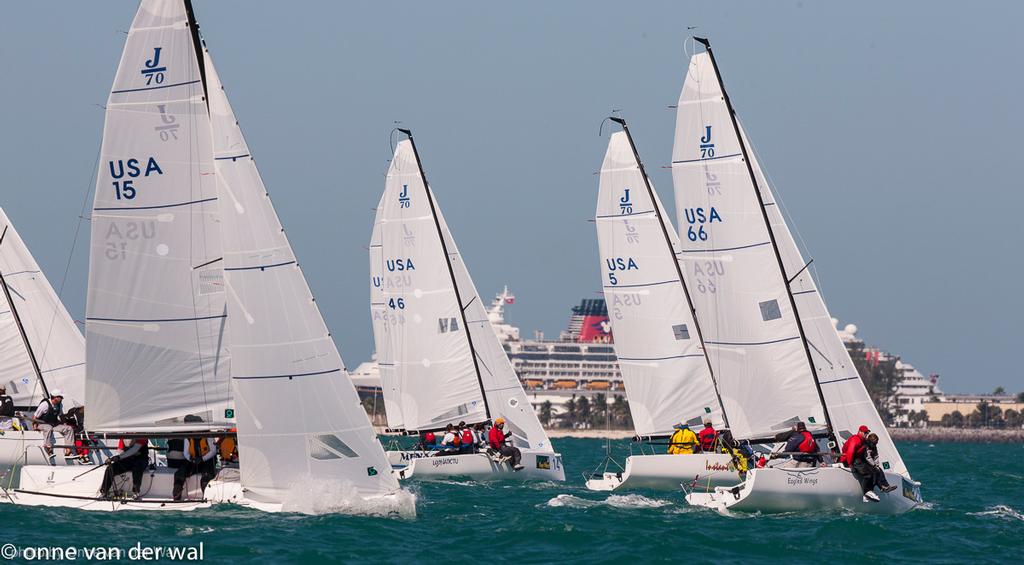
[974, 514]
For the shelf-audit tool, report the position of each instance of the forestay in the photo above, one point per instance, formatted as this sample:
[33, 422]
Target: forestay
[55, 340]
[656, 339]
[426, 363]
[750, 330]
[848, 402]
[299, 415]
[155, 325]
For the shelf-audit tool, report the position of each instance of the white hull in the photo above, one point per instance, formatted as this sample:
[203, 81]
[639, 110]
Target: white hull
[67, 487]
[540, 466]
[799, 490]
[668, 472]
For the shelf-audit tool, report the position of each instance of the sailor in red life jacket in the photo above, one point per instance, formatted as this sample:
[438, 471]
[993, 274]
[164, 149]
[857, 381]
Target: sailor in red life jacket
[801, 442]
[466, 435]
[707, 437]
[134, 457]
[855, 457]
[498, 439]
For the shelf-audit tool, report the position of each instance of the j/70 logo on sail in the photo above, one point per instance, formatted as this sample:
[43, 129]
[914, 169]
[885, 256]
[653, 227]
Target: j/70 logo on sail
[625, 206]
[152, 70]
[707, 149]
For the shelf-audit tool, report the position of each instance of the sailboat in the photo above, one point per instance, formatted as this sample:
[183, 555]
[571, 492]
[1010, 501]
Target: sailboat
[184, 239]
[41, 348]
[769, 336]
[440, 361]
[658, 342]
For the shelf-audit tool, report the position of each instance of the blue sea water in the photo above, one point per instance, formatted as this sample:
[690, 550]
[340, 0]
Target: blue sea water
[974, 514]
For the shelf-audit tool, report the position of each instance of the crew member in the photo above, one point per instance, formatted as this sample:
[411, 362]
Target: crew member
[200, 459]
[466, 437]
[871, 455]
[854, 451]
[7, 419]
[228, 448]
[175, 453]
[451, 441]
[707, 437]
[498, 439]
[802, 447]
[740, 456]
[134, 457]
[49, 418]
[683, 440]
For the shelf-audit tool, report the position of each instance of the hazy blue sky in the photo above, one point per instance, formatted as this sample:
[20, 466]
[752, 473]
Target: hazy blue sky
[891, 130]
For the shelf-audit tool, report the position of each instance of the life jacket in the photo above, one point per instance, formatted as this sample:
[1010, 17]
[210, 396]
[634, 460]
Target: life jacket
[467, 437]
[707, 439]
[458, 440]
[429, 438]
[683, 442]
[52, 414]
[227, 449]
[808, 445]
[198, 448]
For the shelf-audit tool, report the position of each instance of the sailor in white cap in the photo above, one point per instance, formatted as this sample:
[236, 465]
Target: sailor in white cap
[49, 418]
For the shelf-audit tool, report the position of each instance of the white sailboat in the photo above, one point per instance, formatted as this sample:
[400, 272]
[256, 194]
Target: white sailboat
[770, 339]
[657, 340]
[440, 360]
[185, 239]
[40, 347]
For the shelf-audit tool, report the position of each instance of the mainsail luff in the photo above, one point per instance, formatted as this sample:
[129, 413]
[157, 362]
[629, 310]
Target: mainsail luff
[156, 316]
[300, 418]
[771, 232]
[672, 249]
[451, 271]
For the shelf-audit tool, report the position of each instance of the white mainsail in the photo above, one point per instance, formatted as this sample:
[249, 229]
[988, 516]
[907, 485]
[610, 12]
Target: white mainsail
[426, 363]
[156, 318]
[58, 346]
[656, 337]
[299, 415]
[750, 330]
[421, 308]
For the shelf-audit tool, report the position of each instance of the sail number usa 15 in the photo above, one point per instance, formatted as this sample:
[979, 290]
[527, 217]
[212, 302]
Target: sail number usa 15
[124, 188]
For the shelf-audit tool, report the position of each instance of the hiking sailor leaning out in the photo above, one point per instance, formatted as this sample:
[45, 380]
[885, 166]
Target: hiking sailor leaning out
[49, 419]
[200, 459]
[499, 441]
[855, 456]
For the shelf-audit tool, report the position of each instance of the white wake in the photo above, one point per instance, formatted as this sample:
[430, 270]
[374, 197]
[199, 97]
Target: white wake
[324, 496]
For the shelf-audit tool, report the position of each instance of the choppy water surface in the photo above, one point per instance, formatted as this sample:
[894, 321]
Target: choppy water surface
[975, 513]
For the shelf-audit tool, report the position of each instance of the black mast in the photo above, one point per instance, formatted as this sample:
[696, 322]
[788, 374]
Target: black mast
[451, 271]
[675, 261]
[767, 223]
[21, 328]
[197, 43]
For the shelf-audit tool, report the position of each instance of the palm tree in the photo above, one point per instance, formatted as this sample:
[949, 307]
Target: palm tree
[546, 412]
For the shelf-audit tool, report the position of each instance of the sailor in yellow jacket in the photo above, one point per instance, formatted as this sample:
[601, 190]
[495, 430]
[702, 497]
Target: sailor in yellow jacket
[683, 442]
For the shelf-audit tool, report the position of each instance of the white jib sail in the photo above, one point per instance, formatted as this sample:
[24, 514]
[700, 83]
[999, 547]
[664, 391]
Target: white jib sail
[502, 388]
[58, 345]
[656, 340]
[299, 416]
[426, 364]
[750, 331]
[848, 402]
[155, 324]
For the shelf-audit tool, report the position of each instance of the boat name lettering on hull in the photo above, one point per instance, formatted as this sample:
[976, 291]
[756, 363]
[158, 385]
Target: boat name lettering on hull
[800, 480]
